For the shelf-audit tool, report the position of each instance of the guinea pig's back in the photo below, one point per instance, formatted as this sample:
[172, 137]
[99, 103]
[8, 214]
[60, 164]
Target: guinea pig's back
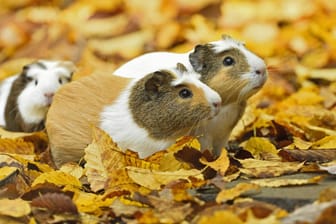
[75, 109]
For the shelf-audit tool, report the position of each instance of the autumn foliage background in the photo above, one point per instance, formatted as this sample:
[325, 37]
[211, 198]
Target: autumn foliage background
[289, 126]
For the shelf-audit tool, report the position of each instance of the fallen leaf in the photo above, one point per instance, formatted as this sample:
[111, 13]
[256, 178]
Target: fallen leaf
[221, 164]
[263, 169]
[330, 167]
[55, 203]
[73, 169]
[257, 146]
[286, 182]
[14, 208]
[230, 194]
[307, 213]
[58, 178]
[154, 180]
[310, 155]
[102, 156]
[219, 216]
[328, 142]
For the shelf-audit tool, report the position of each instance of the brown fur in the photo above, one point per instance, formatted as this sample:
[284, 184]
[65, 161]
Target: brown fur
[76, 107]
[14, 121]
[224, 80]
[161, 115]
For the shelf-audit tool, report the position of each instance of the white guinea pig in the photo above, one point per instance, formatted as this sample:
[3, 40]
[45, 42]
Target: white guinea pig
[25, 98]
[145, 114]
[227, 66]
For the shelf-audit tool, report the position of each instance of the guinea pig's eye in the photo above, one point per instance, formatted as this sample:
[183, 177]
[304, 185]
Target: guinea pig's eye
[35, 82]
[228, 61]
[185, 93]
[60, 81]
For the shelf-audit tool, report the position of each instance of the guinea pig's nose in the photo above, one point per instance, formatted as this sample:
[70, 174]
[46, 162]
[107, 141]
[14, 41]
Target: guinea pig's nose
[216, 104]
[49, 95]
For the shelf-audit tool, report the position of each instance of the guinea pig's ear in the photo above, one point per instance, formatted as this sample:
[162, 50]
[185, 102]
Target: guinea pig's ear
[181, 68]
[153, 84]
[198, 56]
[69, 65]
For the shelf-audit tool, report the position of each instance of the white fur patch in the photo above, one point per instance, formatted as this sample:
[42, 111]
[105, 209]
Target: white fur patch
[123, 130]
[151, 62]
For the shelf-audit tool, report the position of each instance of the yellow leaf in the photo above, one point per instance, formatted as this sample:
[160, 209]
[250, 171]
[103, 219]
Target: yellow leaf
[73, 169]
[91, 203]
[58, 178]
[16, 146]
[271, 182]
[218, 218]
[185, 141]
[263, 168]
[7, 171]
[102, 156]
[229, 194]
[14, 208]
[221, 164]
[134, 161]
[271, 219]
[257, 146]
[328, 142]
[153, 179]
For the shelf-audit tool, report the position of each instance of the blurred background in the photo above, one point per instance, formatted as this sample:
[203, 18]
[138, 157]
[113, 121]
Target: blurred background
[101, 35]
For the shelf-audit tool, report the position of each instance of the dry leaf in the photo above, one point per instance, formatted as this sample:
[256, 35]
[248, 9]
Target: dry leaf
[154, 180]
[286, 182]
[219, 216]
[58, 178]
[221, 164]
[230, 194]
[257, 146]
[14, 208]
[55, 203]
[316, 155]
[330, 167]
[102, 156]
[263, 169]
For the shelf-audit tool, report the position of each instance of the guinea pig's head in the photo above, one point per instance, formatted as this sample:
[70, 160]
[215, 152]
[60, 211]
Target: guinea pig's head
[230, 68]
[170, 103]
[38, 82]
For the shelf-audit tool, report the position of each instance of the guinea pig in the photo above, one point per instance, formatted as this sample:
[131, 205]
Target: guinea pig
[144, 114]
[25, 98]
[227, 66]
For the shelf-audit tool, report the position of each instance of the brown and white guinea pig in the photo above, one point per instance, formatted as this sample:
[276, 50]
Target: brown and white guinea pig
[25, 98]
[227, 66]
[145, 114]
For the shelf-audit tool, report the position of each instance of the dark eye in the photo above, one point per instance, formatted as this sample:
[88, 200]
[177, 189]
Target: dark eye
[36, 82]
[228, 61]
[185, 93]
[60, 81]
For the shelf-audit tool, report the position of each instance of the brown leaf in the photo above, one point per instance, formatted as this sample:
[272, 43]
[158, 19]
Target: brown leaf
[55, 203]
[316, 155]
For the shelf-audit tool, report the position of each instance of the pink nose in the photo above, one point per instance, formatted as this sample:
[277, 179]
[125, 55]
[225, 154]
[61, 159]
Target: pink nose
[49, 95]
